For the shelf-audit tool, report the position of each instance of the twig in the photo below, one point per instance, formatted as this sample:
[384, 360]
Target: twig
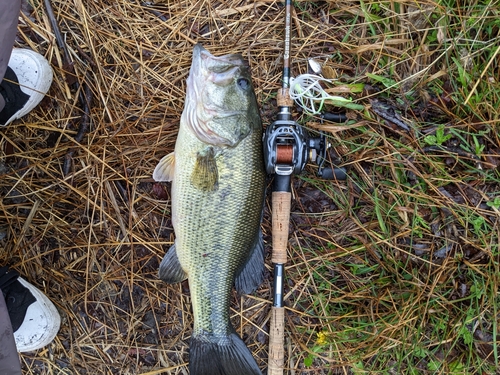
[387, 112]
[453, 150]
[85, 99]
[85, 94]
[68, 65]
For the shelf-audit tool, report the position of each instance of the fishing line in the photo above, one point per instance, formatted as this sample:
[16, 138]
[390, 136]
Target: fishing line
[307, 92]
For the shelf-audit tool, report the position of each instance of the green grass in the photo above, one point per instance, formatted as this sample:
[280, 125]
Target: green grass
[403, 275]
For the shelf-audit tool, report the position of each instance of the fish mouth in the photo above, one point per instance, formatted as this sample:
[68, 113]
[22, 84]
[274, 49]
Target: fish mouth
[219, 70]
[211, 74]
[217, 63]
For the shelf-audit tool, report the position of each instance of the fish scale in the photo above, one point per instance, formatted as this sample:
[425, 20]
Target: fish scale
[218, 186]
[217, 227]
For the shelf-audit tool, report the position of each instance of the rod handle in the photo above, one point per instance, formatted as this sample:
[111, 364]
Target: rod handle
[283, 99]
[281, 201]
[276, 341]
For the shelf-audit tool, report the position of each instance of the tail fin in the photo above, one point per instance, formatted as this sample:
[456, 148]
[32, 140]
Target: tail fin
[225, 356]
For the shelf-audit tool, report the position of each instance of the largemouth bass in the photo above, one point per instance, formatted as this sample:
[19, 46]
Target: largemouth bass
[218, 183]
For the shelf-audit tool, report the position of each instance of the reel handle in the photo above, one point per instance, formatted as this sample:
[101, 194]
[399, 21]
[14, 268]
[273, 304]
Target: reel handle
[333, 173]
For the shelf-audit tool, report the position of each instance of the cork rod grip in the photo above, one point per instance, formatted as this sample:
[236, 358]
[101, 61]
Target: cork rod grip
[281, 201]
[276, 342]
[284, 99]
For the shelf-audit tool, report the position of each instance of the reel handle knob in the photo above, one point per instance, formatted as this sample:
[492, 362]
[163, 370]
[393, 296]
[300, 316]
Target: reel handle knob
[333, 173]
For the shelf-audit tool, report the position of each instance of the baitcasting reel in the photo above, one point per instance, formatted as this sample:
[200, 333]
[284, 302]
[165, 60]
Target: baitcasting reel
[288, 147]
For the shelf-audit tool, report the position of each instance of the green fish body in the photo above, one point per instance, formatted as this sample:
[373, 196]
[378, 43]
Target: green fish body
[218, 184]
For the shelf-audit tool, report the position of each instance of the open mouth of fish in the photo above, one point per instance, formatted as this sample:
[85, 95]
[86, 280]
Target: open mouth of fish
[214, 62]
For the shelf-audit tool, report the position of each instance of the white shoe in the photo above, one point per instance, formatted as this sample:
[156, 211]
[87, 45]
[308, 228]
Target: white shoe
[25, 84]
[41, 323]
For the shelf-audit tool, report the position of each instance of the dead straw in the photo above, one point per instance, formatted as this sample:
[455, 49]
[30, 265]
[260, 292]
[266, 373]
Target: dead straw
[91, 236]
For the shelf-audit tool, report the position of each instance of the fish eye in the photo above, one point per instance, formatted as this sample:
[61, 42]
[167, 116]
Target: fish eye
[243, 83]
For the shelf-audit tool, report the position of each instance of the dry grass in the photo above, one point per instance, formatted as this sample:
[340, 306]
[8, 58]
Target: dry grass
[368, 289]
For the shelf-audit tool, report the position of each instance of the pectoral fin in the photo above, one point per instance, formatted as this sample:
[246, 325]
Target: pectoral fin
[252, 273]
[205, 176]
[164, 171]
[170, 268]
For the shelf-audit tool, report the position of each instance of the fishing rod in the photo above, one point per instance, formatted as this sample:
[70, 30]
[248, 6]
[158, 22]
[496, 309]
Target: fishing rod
[287, 149]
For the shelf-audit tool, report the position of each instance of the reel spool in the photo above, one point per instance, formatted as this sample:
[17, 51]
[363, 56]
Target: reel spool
[287, 149]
